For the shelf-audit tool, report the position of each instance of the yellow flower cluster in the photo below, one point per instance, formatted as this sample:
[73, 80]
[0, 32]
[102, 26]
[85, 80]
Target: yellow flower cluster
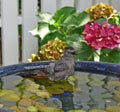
[101, 10]
[53, 50]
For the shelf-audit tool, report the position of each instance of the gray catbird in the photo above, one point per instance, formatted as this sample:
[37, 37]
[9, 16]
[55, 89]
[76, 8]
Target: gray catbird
[59, 70]
[63, 68]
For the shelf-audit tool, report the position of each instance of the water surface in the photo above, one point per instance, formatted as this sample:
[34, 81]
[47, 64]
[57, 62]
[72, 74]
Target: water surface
[82, 91]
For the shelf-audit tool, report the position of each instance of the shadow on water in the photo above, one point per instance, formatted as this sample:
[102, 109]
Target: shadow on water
[1, 84]
[61, 90]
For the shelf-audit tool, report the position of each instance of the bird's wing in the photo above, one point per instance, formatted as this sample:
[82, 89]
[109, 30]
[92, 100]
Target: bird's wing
[50, 68]
[60, 66]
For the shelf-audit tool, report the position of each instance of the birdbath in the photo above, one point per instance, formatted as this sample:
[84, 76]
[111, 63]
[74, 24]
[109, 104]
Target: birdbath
[94, 86]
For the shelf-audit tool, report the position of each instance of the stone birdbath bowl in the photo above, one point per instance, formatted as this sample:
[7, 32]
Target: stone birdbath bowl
[95, 85]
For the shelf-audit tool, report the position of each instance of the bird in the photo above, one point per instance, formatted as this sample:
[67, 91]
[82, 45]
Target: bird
[57, 70]
[63, 68]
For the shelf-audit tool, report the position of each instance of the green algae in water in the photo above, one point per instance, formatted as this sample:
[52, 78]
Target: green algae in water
[82, 92]
[32, 109]
[76, 111]
[57, 87]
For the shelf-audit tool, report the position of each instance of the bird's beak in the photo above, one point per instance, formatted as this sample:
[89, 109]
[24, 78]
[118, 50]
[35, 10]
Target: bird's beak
[74, 53]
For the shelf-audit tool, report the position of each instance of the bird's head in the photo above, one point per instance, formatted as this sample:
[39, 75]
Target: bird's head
[70, 51]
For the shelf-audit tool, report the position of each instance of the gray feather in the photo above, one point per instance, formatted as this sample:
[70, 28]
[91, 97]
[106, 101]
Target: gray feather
[63, 68]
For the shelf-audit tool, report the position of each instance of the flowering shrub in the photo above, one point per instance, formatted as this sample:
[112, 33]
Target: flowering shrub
[97, 29]
[101, 11]
[53, 50]
[101, 36]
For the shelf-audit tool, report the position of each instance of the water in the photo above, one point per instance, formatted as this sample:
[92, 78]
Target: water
[82, 91]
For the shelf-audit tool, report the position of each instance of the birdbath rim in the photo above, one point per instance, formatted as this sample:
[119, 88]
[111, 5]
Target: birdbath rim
[85, 66]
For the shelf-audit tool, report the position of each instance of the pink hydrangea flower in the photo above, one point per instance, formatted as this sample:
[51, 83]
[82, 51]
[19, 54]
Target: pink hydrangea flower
[100, 36]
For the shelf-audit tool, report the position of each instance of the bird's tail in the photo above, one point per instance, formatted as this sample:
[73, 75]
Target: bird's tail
[32, 73]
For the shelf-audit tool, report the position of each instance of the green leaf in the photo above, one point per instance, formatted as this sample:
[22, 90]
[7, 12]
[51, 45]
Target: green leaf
[74, 38]
[119, 13]
[112, 56]
[101, 20]
[44, 17]
[76, 30]
[52, 27]
[62, 14]
[85, 52]
[115, 20]
[78, 19]
[52, 36]
[40, 30]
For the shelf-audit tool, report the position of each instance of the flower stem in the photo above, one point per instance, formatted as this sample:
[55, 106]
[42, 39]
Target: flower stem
[97, 56]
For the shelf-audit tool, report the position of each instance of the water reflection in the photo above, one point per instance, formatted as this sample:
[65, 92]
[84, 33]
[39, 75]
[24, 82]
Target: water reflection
[82, 91]
[1, 84]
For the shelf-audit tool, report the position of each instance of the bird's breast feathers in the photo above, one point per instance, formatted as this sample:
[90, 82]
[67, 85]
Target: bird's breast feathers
[64, 64]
